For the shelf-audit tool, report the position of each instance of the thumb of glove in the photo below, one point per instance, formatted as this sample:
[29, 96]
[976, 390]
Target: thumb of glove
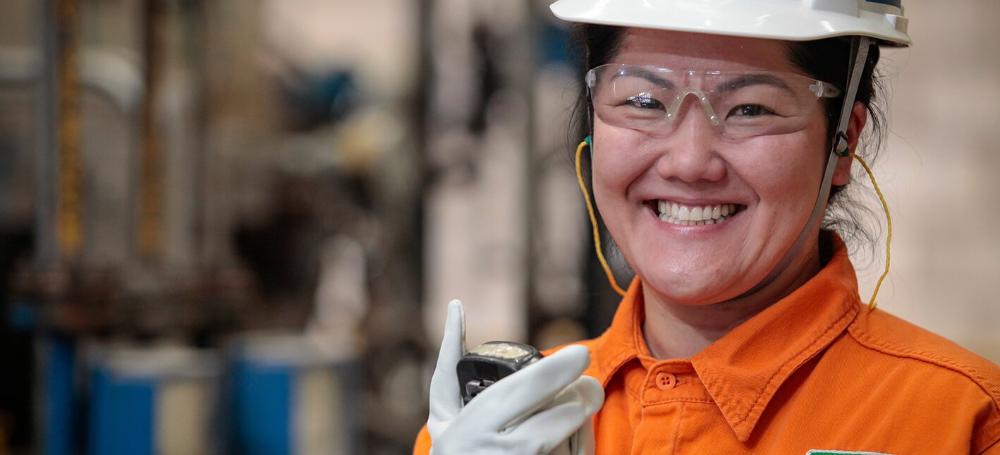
[445, 396]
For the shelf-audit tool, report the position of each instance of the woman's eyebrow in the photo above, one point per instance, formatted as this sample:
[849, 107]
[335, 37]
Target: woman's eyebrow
[745, 80]
[645, 74]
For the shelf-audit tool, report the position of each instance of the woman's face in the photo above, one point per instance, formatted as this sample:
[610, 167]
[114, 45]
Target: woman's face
[771, 180]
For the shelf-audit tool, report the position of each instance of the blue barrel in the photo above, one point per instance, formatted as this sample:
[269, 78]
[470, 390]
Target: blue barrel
[57, 358]
[159, 400]
[289, 395]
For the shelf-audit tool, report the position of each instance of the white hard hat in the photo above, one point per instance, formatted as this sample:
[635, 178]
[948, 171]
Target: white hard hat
[792, 20]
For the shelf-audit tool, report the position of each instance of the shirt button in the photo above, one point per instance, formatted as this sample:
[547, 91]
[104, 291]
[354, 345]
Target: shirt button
[666, 381]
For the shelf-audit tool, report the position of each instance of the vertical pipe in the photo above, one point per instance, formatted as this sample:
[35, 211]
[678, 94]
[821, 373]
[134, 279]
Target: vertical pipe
[528, 44]
[194, 25]
[196, 31]
[69, 231]
[150, 224]
[58, 208]
[46, 250]
[58, 227]
[422, 99]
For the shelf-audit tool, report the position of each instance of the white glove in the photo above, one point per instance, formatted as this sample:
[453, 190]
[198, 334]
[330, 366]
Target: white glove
[537, 410]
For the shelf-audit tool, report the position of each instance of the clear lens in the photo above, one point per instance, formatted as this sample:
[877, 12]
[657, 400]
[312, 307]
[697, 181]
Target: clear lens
[739, 104]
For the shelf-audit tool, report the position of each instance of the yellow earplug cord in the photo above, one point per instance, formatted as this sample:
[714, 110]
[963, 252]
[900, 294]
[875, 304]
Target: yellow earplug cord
[888, 222]
[614, 283]
[593, 219]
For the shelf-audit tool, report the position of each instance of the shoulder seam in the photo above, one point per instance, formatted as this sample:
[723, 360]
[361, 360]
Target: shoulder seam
[991, 389]
[866, 339]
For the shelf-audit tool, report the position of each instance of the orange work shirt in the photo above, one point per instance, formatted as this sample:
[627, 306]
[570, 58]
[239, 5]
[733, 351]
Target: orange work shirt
[815, 373]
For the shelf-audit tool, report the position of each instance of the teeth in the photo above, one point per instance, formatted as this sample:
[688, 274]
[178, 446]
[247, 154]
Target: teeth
[683, 215]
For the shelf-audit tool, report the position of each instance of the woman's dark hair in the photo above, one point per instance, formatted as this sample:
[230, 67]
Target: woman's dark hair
[826, 60]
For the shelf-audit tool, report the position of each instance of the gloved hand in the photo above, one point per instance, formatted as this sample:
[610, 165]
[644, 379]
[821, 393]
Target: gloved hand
[537, 410]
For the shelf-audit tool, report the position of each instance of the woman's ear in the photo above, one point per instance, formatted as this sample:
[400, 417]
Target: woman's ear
[859, 117]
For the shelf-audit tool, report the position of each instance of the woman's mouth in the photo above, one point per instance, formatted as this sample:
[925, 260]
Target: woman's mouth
[693, 215]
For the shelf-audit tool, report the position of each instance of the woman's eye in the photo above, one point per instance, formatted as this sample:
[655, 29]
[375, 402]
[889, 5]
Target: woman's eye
[644, 101]
[750, 110]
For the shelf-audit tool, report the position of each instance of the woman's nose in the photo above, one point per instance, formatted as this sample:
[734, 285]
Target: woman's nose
[688, 153]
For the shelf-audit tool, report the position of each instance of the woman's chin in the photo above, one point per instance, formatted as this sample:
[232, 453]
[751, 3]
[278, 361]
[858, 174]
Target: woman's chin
[689, 292]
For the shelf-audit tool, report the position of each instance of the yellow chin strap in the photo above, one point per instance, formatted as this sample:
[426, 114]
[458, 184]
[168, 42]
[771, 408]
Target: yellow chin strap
[593, 219]
[611, 277]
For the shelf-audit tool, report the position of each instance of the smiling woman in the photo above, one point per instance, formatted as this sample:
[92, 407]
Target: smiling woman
[753, 162]
[720, 134]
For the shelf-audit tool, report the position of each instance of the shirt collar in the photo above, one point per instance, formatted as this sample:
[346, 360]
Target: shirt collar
[744, 369]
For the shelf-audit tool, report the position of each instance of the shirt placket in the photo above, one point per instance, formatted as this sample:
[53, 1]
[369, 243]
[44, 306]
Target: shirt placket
[669, 391]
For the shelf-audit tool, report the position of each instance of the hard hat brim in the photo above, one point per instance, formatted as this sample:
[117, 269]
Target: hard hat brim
[782, 20]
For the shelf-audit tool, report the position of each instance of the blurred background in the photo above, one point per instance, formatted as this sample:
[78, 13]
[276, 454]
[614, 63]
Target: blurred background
[232, 226]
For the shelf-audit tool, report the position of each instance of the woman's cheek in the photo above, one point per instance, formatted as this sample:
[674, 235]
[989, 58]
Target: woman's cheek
[615, 167]
[778, 168]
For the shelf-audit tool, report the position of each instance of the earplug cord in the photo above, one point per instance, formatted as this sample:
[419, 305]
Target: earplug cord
[888, 221]
[593, 219]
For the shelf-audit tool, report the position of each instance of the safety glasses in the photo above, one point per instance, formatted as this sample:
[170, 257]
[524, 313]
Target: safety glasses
[739, 104]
